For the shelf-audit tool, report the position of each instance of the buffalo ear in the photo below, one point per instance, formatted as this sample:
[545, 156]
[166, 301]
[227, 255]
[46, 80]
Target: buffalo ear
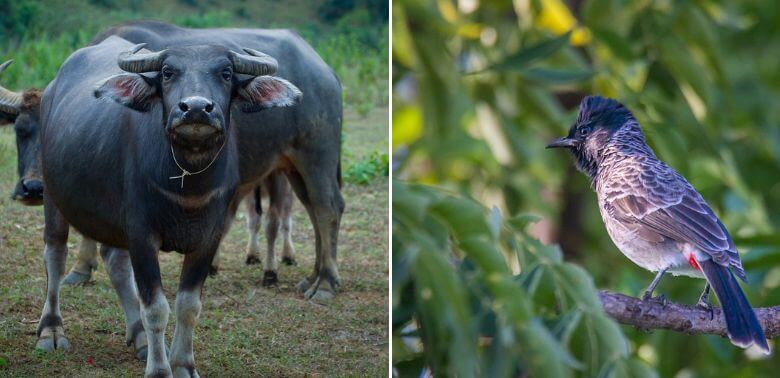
[263, 92]
[132, 90]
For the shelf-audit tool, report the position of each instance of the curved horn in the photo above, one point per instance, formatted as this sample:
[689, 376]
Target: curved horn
[138, 63]
[10, 101]
[255, 64]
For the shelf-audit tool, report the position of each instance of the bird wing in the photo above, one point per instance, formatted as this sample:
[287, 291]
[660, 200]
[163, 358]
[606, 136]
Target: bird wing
[659, 198]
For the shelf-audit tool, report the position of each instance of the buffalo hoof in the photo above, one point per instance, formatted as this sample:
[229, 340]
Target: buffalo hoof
[75, 278]
[270, 278]
[51, 339]
[185, 372]
[302, 286]
[320, 296]
[289, 261]
[322, 291]
[213, 270]
[158, 373]
[252, 260]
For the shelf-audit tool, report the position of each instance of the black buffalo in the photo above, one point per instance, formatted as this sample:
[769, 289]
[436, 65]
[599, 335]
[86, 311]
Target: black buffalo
[275, 146]
[145, 158]
[22, 110]
[303, 141]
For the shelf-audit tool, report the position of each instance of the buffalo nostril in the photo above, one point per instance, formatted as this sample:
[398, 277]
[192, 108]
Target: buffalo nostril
[209, 107]
[32, 188]
[183, 106]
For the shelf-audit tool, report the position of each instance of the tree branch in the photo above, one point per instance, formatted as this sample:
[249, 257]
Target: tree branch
[655, 314]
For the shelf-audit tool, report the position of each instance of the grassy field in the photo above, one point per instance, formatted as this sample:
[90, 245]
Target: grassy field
[244, 329]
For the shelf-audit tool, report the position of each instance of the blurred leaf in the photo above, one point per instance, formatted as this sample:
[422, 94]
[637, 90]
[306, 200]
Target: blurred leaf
[520, 221]
[565, 326]
[523, 57]
[555, 76]
[465, 218]
[545, 356]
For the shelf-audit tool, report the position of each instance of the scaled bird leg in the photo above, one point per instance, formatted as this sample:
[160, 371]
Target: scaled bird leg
[649, 292]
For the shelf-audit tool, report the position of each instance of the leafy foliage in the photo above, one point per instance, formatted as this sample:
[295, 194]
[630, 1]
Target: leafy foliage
[481, 88]
[370, 167]
[473, 316]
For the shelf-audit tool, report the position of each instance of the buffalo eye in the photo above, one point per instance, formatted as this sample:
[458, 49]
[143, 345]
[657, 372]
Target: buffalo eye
[227, 74]
[167, 73]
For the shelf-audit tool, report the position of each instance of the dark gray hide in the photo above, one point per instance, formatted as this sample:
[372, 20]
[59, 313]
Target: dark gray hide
[21, 109]
[107, 169]
[304, 140]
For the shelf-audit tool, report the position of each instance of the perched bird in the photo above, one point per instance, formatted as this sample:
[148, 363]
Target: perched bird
[654, 216]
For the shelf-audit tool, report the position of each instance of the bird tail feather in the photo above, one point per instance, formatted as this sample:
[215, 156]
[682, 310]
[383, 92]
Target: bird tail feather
[741, 321]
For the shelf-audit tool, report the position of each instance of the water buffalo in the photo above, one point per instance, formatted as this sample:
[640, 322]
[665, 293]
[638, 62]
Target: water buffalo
[22, 109]
[144, 157]
[262, 150]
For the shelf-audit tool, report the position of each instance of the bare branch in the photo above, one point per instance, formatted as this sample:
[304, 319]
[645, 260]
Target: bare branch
[657, 314]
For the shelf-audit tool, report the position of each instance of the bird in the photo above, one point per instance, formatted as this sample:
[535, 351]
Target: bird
[654, 215]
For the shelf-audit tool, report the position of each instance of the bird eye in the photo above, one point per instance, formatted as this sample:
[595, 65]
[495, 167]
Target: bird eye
[167, 73]
[585, 130]
[227, 74]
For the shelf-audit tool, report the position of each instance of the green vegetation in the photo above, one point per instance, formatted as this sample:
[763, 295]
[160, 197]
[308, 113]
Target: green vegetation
[479, 91]
[39, 35]
[476, 316]
[244, 329]
[366, 170]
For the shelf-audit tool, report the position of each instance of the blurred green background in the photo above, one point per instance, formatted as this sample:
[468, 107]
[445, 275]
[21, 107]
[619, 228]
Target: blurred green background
[480, 87]
[350, 35]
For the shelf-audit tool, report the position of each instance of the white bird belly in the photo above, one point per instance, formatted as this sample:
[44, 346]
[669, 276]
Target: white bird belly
[650, 255]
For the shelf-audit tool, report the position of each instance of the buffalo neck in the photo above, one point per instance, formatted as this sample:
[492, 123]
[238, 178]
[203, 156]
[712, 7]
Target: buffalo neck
[217, 169]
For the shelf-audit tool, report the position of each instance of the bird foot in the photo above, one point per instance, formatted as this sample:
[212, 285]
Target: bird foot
[706, 307]
[660, 298]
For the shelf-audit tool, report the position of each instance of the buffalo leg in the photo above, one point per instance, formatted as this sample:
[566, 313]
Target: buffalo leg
[154, 305]
[284, 194]
[317, 186]
[254, 212]
[272, 229]
[86, 263]
[120, 271]
[51, 333]
[214, 269]
[188, 305]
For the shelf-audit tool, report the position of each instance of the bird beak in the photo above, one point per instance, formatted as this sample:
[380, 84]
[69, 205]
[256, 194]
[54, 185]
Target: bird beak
[564, 142]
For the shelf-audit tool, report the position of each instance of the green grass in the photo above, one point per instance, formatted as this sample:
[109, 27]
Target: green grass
[244, 329]
[39, 36]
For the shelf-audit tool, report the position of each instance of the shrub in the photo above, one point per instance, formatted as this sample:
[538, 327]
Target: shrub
[370, 167]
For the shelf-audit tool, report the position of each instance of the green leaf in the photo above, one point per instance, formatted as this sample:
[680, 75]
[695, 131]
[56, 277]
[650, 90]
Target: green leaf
[566, 325]
[578, 286]
[627, 367]
[445, 321]
[465, 218]
[411, 367]
[530, 281]
[484, 254]
[555, 76]
[520, 221]
[545, 356]
[522, 58]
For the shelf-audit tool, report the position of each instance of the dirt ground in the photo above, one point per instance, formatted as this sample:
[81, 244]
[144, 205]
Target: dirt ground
[244, 329]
